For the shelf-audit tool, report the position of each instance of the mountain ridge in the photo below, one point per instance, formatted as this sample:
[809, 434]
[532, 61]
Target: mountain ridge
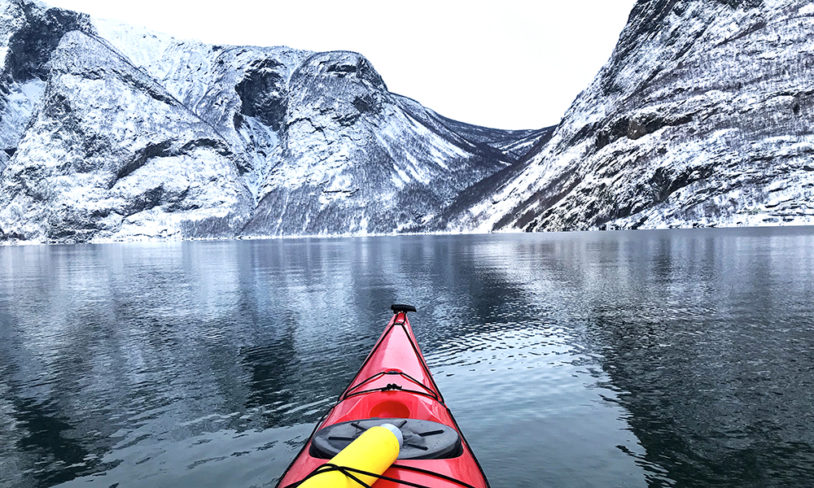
[703, 116]
[306, 143]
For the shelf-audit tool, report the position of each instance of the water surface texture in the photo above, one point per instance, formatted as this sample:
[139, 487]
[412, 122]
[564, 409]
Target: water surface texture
[665, 358]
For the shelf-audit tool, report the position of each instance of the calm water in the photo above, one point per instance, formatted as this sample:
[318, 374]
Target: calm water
[674, 358]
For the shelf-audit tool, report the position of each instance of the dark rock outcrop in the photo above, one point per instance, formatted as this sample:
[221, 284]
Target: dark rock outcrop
[264, 92]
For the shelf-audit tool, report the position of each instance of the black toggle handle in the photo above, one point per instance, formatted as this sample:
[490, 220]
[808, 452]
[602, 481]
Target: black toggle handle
[401, 307]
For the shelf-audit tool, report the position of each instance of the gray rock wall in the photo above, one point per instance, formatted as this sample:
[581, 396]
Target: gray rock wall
[111, 155]
[703, 116]
[109, 132]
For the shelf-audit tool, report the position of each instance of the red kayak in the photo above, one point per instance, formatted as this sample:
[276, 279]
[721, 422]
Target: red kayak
[394, 386]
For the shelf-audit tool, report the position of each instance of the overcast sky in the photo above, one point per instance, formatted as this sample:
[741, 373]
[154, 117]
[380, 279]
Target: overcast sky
[507, 64]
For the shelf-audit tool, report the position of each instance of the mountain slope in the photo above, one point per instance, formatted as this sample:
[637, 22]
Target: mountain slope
[330, 149]
[242, 91]
[112, 132]
[387, 164]
[28, 34]
[702, 116]
[110, 155]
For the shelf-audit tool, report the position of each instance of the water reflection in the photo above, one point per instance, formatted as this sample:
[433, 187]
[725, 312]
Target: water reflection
[609, 359]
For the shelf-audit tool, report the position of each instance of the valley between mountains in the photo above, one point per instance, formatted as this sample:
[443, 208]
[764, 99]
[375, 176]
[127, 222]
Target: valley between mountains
[703, 116]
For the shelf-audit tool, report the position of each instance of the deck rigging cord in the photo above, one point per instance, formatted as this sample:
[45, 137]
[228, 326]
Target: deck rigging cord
[349, 472]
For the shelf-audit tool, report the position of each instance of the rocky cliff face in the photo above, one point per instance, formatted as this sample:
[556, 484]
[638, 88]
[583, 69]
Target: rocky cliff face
[329, 149]
[109, 153]
[28, 35]
[704, 115]
[356, 158]
[109, 132]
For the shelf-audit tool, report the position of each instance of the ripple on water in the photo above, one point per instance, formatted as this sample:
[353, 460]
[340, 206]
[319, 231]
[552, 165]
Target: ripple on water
[679, 358]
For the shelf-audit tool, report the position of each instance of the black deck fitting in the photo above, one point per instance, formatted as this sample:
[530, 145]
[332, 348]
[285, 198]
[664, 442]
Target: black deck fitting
[400, 307]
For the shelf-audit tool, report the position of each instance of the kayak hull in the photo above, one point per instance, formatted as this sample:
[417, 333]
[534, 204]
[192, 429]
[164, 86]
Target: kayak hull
[394, 382]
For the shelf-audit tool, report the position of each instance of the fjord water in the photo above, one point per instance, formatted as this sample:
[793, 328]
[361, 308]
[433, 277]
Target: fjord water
[663, 358]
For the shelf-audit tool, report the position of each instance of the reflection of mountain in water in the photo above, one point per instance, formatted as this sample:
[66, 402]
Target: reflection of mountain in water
[111, 348]
[713, 349]
[706, 337]
[40, 429]
[192, 361]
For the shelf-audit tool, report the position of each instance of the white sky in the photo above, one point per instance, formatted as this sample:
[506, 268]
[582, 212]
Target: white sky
[508, 64]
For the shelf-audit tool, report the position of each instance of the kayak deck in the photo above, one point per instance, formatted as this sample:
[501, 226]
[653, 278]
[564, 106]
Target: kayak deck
[395, 383]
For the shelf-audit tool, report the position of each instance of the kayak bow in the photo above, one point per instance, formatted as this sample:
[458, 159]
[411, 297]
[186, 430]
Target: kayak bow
[394, 387]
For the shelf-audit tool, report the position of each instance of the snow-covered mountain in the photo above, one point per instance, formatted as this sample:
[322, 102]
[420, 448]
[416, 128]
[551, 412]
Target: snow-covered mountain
[110, 132]
[704, 115]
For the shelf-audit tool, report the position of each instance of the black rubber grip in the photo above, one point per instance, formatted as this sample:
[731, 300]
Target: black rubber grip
[401, 307]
